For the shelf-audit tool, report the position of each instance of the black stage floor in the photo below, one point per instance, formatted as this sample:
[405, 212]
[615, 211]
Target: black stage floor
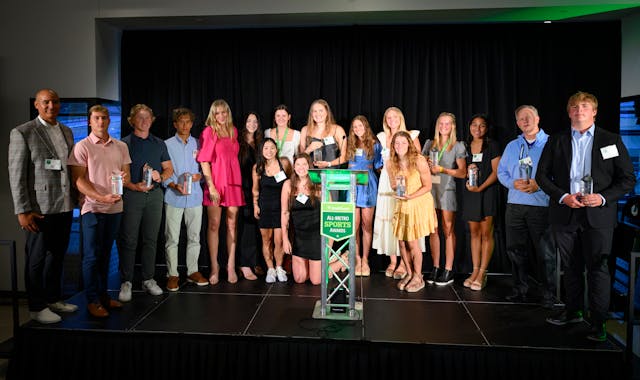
[448, 331]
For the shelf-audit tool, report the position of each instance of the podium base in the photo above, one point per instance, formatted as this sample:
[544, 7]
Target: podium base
[349, 315]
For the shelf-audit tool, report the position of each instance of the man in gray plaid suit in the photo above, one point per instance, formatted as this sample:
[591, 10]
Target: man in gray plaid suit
[41, 190]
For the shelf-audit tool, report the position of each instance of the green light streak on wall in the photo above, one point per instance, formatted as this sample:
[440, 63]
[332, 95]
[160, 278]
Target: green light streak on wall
[553, 13]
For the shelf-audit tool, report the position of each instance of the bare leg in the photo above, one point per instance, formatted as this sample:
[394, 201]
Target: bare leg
[278, 252]
[448, 222]
[476, 246]
[232, 224]
[358, 240]
[300, 269]
[415, 252]
[406, 259]
[434, 243]
[267, 252]
[367, 237]
[213, 239]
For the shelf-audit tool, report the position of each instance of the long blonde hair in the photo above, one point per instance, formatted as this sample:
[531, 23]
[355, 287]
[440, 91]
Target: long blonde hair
[221, 130]
[437, 142]
[385, 126]
[368, 139]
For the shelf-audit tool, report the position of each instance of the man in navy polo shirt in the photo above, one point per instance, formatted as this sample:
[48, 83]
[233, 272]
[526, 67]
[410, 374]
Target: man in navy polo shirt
[142, 201]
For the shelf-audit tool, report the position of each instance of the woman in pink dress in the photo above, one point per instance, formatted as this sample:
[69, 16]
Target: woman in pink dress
[218, 157]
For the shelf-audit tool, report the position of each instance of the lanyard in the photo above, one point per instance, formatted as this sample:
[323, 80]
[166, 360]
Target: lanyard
[443, 149]
[279, 142]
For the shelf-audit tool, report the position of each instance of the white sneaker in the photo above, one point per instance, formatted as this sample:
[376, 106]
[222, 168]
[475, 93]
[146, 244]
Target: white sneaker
[281, 274]
[151, 287]
[62, 307]
[125, 292]
[45, 316]
[271, 276]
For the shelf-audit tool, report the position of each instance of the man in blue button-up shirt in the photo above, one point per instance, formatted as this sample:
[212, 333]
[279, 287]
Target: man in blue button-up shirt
[527, 207]
[183, 198]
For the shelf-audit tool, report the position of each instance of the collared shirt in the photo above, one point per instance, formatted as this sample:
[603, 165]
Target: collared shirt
[101, 159]
[509, 169]
[581, 146]
[183, 159]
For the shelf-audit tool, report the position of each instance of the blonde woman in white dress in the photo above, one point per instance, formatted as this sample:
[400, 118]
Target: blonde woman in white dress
[384, 240]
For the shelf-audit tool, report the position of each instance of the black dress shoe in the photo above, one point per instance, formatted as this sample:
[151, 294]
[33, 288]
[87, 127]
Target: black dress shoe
[445, 278]
[516, 296]
[598, 332]
[565, 318]
[548, 301]
[433, 276]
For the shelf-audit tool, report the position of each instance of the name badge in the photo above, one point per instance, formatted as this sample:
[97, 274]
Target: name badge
[280, 176]
[435, 179]
[329, 140]
[526, 161]
[302, 198]
[52, 164]
[359, 152]
[609, 151]
[477, 157]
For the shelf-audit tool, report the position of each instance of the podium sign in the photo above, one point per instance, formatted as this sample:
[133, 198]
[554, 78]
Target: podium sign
[337, 224]
[337, 220]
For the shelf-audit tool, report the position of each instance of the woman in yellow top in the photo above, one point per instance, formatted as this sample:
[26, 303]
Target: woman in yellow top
[415, 215]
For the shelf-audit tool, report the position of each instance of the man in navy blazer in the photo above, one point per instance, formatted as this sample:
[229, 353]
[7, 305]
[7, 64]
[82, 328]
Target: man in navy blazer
[585, 170]
[41, 190]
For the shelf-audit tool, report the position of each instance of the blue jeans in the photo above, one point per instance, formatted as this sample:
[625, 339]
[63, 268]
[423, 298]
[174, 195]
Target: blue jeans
[98, 233]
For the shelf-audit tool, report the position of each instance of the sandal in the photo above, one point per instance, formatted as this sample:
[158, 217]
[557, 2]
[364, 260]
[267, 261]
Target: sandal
[389, 271]
[467, 283]
[358, 266]
[479, 285]
[415, 285]
[365, 271]
[400, 272]
[232, 276]
[403, 283]
[248, 274]
[213, 278]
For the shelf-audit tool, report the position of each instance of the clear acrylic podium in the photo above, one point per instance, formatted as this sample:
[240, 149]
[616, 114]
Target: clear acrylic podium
[337, 224]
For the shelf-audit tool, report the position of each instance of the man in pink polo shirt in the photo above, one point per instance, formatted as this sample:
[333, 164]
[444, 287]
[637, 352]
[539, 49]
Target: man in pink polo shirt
[99, 168]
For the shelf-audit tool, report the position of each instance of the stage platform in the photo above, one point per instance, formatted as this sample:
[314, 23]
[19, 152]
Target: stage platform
[266, 331]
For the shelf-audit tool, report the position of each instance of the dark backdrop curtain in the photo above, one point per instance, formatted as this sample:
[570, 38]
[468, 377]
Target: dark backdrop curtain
[422, 69]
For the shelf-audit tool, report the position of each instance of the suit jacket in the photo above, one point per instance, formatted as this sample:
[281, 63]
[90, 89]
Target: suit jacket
[612, 178]
[33, 187]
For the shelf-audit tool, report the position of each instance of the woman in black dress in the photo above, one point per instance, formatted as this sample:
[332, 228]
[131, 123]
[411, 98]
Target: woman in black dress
[250, 138]
[269, 174]
[480, 197]
[300, 203]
